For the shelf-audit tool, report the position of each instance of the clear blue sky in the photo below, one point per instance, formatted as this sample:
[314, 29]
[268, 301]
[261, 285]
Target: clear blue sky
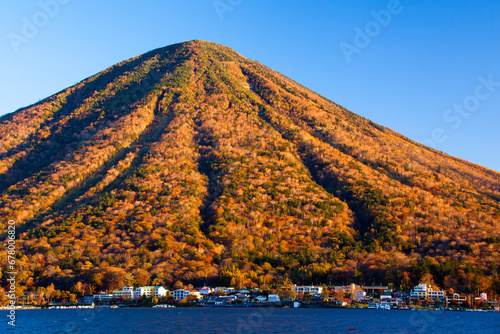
[405, 71]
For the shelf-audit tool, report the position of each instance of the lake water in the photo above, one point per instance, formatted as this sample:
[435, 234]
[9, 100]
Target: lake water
[249, 320]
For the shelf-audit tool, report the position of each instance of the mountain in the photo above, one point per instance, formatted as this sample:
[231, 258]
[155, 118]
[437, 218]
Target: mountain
[192, 163]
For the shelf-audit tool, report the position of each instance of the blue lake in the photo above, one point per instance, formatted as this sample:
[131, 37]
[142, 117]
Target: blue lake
[249, 320]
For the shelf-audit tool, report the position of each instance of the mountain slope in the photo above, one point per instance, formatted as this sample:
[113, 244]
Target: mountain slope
[194, 163]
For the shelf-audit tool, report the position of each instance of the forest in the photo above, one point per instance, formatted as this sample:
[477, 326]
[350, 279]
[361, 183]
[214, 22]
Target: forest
[193, 164]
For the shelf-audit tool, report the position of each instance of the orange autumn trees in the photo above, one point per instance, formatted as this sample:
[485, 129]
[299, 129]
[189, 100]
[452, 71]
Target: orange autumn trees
[191, 163]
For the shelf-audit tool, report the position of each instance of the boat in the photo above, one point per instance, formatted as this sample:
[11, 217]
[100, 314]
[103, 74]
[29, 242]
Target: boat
[373, 306]
[386, 307]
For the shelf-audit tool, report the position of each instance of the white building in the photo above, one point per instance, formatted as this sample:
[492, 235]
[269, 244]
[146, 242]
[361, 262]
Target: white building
[359, 295]
[273, 298]
[260, 299]
[205, 291]
[180, 294]
[196, 293]
[424, 291]
[103, 296]
[433, 294]
[126, 293]
[419, 291]
[225, 290]
[312, 289]
[150, 291]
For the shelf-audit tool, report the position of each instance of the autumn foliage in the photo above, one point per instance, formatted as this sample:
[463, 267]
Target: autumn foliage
[191, 163]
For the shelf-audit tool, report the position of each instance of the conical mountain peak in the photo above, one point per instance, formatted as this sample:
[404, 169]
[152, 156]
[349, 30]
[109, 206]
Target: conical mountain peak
[192, 162]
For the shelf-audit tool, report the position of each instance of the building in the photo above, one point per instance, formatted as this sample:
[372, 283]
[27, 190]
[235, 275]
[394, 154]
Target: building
[392, 302]
[126, 293]
[226, 290]
[103, 296]
[260, 299]
[375, 289]
[88, 300]
[435, 294]
[180, 294]
[422, 291]
[419, 291]
[205, 291]
[368, 289]
[400, 295]
[456, 299]
[196, 293]
[312, 289]
[150, 291]
[273, 298]
[346, 289]
[359, 295]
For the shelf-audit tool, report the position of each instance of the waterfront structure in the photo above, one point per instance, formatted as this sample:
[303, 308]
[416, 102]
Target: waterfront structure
[312, 289]
[359, 294]
[273, 298]
[456, 299]
[205, 291]
[180, 294]
[126, 293]
[368, 289]
[150, 291]
[423, 291]
[226, 290]
[103, 296]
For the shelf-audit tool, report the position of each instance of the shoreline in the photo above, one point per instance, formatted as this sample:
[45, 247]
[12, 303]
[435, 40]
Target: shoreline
[75, 307]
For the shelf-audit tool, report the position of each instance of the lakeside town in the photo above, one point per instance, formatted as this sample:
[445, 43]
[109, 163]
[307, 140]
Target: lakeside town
[422, 296]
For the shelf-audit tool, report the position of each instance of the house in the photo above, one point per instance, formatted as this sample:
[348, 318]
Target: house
[392, 302]
[225, 290]
[211, 300]
[205, 291]
[150, 291]
[494, 305]
[225, 300]
[359, 294]
[272, 298]
[243, 296]
[260, 299]
[126, 293]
